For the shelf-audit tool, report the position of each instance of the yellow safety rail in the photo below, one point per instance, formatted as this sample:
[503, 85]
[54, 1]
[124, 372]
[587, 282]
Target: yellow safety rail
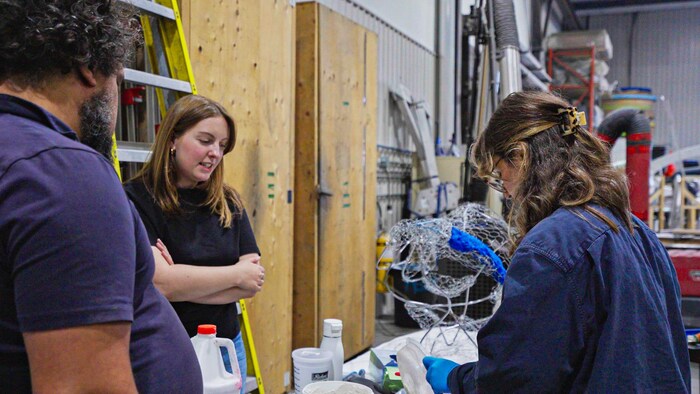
[250, 346]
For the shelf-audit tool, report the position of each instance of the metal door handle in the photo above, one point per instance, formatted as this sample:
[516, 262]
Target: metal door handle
[323, 192]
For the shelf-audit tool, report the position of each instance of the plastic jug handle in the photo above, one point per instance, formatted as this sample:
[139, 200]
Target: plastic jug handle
[233, 359]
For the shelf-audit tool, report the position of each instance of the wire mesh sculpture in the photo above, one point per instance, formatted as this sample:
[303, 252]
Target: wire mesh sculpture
[470, 237]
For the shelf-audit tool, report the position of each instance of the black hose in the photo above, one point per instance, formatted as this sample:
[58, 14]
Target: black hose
[630, 120]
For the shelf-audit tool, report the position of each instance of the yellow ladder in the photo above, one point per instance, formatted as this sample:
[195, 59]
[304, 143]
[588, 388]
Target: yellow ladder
[169, 47]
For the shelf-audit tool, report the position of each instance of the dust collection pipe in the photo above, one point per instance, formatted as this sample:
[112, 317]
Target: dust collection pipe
[508, 45]
[638, 128]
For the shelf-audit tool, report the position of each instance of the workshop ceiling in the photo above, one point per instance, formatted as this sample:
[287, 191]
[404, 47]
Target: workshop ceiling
[602, 7]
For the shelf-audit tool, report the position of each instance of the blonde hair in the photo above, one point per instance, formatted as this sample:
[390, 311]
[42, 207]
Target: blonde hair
[158, 173]
[561, 164]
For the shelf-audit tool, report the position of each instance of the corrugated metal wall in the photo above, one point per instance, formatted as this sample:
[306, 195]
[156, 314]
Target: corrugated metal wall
[401, 61]
[404, 61]
[665, 56]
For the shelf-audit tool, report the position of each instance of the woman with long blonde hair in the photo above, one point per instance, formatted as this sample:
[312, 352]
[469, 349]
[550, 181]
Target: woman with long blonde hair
[591, 302]
[206, 255]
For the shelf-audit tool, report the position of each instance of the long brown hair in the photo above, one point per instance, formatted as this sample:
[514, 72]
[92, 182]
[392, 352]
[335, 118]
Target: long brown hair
[158, 174]
[561, 163]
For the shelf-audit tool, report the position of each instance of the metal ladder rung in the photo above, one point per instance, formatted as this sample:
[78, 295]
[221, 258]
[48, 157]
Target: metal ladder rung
[133, 152]
[158, 81]
[152, 8]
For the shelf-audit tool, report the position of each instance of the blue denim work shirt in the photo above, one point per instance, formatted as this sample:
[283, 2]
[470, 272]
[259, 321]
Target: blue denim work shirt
[585, 309]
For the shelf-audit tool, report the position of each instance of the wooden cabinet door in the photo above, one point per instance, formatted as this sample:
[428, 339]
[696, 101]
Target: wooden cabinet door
[336, 178]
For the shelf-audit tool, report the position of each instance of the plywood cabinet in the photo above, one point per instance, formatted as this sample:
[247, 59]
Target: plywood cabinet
[335, 178]
[243, 56]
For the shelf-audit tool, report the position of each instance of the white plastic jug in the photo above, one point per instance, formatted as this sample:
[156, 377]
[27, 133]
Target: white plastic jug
[214, 375]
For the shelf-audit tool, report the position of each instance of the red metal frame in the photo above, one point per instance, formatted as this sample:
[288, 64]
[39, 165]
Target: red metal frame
[686, 262]
[587, 82]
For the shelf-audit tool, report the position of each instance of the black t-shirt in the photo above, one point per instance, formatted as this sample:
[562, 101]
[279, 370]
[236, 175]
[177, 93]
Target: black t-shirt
[195, 237]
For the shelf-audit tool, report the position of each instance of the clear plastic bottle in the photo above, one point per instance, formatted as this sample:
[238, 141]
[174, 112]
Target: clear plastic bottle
[332, 342]
[410, 358]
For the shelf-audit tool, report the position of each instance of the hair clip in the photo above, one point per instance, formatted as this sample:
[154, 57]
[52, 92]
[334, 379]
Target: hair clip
[573, 119]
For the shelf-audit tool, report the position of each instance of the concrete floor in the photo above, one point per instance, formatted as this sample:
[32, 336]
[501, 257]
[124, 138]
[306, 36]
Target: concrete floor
[385, 330]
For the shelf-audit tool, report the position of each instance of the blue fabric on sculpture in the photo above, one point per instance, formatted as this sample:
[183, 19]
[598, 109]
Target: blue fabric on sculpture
[465, 242]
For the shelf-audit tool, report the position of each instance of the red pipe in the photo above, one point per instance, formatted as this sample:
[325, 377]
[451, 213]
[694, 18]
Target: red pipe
[638, 129]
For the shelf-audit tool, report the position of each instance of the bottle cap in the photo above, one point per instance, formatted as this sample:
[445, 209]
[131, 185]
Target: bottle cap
[332, 328]
[206, 329]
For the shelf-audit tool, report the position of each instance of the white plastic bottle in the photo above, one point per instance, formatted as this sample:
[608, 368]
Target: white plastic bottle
[216, 379]
[332, 342]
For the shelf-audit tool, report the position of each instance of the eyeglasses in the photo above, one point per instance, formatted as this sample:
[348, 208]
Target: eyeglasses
[494, 180]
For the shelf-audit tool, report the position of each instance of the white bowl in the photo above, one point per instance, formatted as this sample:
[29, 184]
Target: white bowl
[336, 387]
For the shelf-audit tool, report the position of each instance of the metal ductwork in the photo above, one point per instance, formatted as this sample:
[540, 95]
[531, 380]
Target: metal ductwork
[638, 129]
[570, 21]
[508, 46]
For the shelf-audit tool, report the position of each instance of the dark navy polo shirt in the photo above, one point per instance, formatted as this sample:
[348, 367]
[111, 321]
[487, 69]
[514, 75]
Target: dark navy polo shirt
[73, 252]
[584, 309]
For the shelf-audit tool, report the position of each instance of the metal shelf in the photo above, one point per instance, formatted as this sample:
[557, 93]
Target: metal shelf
[577, 92]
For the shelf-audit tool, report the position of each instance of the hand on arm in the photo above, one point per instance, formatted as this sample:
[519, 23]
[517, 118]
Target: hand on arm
[164, 252]
[182, 282]
[253, 257]
[252, 272]
[226, 296]
[236, 293]
[92, 358]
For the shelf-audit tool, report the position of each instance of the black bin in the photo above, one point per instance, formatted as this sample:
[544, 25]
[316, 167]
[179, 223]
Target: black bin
[414, 291]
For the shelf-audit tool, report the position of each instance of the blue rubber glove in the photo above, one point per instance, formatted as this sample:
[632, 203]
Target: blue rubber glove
[438, 370]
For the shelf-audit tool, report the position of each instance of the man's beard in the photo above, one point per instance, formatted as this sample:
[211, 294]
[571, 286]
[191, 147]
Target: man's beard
[96, 124]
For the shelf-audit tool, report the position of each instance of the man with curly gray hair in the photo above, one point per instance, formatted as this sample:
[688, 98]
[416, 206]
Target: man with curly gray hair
[78, 309]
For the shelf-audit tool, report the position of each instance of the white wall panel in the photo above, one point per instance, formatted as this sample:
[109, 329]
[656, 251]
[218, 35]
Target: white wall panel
[414, 18]
[665, 56]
